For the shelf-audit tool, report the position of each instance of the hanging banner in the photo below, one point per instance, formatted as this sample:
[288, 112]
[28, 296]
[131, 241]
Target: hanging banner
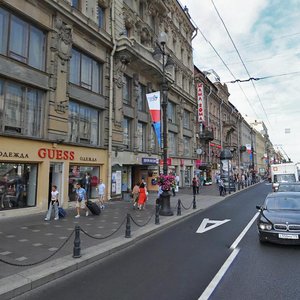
[200, 102]
[248, 147]
[153, 100]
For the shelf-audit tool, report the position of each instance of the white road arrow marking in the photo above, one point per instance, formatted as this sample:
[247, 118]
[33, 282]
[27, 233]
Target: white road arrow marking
[203, 226]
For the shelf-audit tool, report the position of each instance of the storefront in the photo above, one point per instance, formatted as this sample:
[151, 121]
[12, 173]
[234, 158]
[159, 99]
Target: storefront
[28, 169]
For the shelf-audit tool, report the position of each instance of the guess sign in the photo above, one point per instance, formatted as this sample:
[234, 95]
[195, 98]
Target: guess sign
[200, 102]
[56, 154]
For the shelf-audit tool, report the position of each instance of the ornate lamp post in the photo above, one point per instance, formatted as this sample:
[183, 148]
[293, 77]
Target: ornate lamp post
[166, 61]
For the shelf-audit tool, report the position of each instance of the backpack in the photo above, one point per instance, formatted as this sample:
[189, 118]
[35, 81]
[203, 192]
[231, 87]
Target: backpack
[61, 212]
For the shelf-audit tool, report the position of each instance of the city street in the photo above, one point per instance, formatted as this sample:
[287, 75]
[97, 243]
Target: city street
[180, 263]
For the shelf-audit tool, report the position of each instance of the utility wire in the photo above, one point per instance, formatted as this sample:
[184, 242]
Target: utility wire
[237, 51]
[261, 78]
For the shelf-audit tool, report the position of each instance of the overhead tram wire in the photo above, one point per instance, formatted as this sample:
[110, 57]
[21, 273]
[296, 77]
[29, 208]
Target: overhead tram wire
[261, 78]
[237, 51]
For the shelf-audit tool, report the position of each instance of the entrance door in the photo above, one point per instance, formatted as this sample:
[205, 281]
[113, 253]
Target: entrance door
[55, 178]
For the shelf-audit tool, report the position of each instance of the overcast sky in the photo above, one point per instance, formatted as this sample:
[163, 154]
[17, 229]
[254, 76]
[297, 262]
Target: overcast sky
[267, 35]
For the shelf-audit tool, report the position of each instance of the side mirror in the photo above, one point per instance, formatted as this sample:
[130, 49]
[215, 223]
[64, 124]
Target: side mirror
[258, 207]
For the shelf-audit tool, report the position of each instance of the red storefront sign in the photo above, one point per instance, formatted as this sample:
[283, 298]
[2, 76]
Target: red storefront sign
[198, 163]
[200, 102]
[169, 161]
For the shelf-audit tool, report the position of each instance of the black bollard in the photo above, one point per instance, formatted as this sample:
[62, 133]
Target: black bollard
[179, 208]
[194, 202]
[157, 207]
[239, 186]
[76, 248]
[128, 228]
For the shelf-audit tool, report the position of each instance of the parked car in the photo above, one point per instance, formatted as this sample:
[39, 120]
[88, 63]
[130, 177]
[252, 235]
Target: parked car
[289, 187]
[279, 218]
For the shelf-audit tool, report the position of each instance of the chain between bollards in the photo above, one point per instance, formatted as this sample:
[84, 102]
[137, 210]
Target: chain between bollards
[157, 208]
[76, 248]
[194, 202]
[128, 228]
[179, 208]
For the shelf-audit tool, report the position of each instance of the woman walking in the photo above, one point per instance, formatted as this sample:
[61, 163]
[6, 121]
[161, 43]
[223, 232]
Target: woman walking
[142, 196]
[135, 195]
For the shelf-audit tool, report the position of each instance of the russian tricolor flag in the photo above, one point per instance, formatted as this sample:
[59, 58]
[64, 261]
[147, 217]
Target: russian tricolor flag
[153, 100]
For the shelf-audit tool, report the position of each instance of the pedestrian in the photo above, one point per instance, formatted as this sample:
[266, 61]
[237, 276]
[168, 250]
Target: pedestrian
[101, 193]
[87, 184]
[135, 195]
[222, 188]
[159, 192]
[194, 185]
[142, 196]
[53, 204]
[197, 185]
[81, 198]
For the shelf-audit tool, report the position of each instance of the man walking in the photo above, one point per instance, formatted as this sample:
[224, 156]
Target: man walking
[81, 200]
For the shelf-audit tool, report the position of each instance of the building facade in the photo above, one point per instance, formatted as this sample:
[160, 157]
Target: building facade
[54, 59]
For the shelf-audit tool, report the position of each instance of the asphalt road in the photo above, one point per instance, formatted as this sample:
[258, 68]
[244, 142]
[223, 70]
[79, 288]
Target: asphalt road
[179, 263]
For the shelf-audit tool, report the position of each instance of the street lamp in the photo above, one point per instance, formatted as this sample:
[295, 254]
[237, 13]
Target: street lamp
[159, 51]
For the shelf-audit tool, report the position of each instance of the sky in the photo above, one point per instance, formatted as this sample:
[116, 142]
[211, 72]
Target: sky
[266, 34]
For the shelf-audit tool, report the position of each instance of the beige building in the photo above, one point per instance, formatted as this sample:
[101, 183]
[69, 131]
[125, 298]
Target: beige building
[54, 70]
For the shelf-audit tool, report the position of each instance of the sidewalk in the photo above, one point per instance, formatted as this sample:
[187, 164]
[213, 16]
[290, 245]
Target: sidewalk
[29, 240]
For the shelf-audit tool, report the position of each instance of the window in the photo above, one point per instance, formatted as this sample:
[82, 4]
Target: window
[127, 133]
[85, 72]
[186, 146]
[172, 143]
[20, 109]
[84, 124]
[18, 184]
[186, 119]
[171, 112]
[101, 17]
[127, 90]
[141, 136]
[75, 4]
[142, 98]
[21, 40]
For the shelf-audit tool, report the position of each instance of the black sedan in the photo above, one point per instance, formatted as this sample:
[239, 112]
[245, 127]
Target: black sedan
[279, 218]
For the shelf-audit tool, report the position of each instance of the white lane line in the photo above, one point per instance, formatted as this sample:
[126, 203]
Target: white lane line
[213, 284]
[216, 280]
[242, 234]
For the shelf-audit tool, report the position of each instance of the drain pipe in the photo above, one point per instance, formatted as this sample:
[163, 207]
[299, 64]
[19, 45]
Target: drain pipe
[111, 94]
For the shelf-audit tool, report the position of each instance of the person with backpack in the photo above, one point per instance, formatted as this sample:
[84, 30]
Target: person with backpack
[53, 204]
[81, 199]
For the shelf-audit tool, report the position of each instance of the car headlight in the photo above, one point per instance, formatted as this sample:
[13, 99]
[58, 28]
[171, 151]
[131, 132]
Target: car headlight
[264, 226]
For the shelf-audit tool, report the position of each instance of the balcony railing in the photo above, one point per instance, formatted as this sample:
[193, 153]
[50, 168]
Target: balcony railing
[207, 135]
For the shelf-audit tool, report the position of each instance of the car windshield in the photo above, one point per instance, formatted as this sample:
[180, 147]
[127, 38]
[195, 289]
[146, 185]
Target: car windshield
[289, 188]
[284, 178]
[286, 202]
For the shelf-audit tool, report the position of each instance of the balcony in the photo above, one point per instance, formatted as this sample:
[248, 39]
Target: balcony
[207, 135]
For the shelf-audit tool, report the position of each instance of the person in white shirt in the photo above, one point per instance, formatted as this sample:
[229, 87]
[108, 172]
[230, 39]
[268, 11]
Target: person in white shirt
[53, 203]
[101, 193]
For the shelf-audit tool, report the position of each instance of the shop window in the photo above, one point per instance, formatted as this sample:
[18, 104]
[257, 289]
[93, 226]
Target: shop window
[88, 176]
[84, 124]
[20, 109]
[85, 72]
[21, 41]
[17, 185]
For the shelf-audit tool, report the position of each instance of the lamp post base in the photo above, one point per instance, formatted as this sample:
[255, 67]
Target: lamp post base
[165, 209]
